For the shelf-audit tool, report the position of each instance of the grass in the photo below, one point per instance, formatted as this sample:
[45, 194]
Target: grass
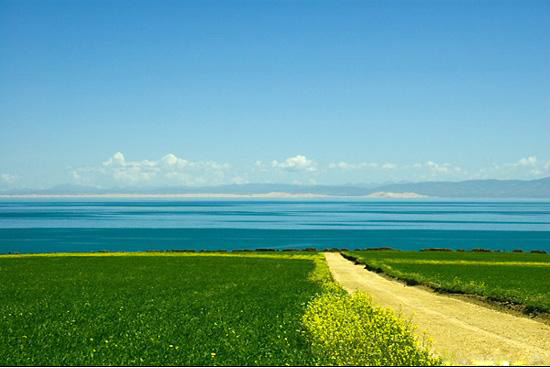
[154, 310]
[517, 278]
[191, 309]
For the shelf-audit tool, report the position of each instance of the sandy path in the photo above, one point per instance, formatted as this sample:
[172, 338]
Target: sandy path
[462, 332]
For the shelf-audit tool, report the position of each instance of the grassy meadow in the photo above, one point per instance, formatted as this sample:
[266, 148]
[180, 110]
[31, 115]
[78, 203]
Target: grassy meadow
[518, 278]
[186, 309]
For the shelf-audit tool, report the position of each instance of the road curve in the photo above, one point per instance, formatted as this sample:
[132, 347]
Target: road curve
[461, 332]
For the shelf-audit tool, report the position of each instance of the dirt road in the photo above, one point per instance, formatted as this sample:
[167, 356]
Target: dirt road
[461, 332]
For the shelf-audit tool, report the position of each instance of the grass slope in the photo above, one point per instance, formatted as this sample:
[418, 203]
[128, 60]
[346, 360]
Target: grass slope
[185, 309]
[193, 310]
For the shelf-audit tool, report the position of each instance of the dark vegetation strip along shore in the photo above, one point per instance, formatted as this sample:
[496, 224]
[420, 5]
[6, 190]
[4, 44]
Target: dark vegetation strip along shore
[294, 250]
[517, 281]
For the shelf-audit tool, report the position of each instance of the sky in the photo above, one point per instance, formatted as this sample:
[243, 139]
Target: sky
[154, 93]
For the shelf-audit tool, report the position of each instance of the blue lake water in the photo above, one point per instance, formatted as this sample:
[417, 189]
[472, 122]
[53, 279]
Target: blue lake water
[131, 225]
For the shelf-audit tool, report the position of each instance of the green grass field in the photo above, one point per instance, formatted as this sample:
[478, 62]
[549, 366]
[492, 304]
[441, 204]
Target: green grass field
[175, 309]
[505, 277]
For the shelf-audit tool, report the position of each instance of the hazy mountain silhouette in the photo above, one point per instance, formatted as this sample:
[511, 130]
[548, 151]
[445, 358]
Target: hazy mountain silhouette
[539, 188]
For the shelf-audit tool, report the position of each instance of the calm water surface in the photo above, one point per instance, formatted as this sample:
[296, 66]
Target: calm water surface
[71, 225]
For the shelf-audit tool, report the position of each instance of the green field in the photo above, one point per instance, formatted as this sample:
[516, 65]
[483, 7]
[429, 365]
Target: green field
[519, 278]
[175, 309]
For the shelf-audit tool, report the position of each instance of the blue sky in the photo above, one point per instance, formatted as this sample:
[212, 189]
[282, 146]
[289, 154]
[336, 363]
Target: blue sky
[212, 92]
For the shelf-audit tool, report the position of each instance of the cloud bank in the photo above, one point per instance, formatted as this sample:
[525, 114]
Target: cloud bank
[173, 170]
[170, 169]
[295, 164]
[7, 179]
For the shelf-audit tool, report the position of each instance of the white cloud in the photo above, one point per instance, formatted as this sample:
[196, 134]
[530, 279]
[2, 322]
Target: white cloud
[439, 168]
[173, 170]
[343, 165]
[130, 172]
[388, 166]
[530, 161]
[435, 169]
[529, 167]
[171, 160]
[296, 163]
[352, 166]
[525, 168]
[116, 160]
[261, 166]
[169, 169]
[429, 166]
[7, 178]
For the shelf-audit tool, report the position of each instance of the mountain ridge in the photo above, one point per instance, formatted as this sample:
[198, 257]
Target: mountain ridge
[490, 188]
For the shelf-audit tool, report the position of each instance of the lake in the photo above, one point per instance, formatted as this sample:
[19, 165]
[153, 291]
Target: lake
[135, 225]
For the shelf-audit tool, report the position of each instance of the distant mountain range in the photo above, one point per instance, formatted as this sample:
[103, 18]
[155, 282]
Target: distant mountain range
[539, 188]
